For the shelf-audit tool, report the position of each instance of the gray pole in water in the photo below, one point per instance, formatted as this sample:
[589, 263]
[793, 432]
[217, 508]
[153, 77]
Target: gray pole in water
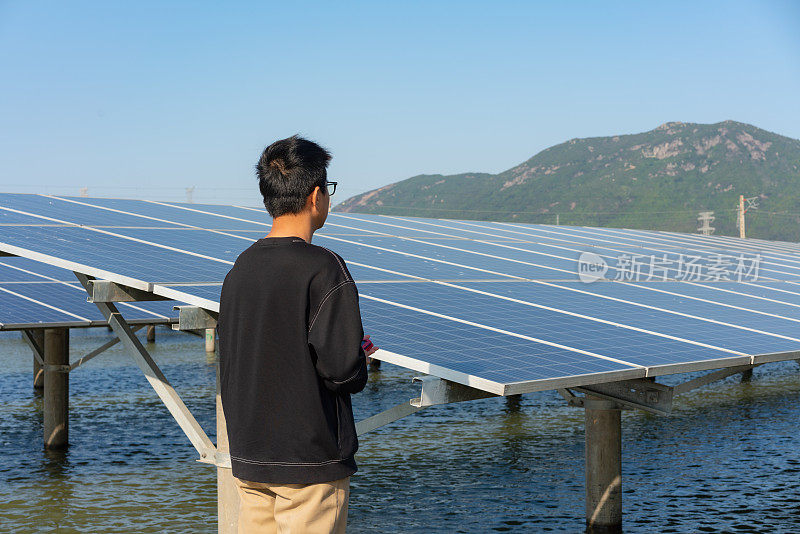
[210, 339]
[38, 371]
[603, 464]
[227, 494]
[151, 333]
[56, 388]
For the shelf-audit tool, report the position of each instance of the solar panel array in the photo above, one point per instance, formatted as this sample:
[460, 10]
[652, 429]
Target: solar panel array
[37, 295]
[499, 306]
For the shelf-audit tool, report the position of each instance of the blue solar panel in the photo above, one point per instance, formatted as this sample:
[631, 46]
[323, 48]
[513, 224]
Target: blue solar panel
[37, 294]
[475, 351]
[685, 322]
[191, 215]
[514, 331]
[574, 332]
[72, 212]
[143, 261]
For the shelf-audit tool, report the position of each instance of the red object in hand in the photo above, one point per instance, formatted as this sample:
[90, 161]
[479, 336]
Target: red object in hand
[366, 344]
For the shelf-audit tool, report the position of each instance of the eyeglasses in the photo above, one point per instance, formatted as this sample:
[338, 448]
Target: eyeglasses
[331, 187]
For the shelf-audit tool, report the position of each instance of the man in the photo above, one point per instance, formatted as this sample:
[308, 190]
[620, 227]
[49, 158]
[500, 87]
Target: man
[291, 354]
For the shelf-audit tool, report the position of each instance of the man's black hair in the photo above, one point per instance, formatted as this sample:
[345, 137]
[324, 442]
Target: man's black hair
[288, 171]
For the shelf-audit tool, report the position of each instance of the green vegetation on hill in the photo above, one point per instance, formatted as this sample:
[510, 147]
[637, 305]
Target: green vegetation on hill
[657, 180]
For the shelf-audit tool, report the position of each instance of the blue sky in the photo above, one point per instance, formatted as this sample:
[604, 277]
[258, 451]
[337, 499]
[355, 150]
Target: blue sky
[144, 99]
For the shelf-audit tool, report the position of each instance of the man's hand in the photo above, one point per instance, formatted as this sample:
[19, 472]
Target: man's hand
[369, 349]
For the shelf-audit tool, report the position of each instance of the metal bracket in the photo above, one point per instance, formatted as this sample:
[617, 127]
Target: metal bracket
[440, 391]
[105, 291]
[640, 394]
[194, 318]
[54, 368]
[218, 459]
[572, 399]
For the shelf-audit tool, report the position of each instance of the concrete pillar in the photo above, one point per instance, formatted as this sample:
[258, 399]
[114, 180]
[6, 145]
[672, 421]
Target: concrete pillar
[210, 339]
[603, 465]
[747, 375]
[227, 495]
[151, 333]
[38, 371]
[56, 388]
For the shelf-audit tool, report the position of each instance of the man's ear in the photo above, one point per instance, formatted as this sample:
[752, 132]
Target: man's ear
[311, 199]
[315, 196]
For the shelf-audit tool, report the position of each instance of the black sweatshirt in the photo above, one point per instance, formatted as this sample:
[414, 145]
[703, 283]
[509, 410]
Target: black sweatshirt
[290, 356]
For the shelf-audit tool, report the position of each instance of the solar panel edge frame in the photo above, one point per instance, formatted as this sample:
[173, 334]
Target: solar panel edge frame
[445, 373]
[771, 357]
[698, 365]
[11, 327]
[548, 384]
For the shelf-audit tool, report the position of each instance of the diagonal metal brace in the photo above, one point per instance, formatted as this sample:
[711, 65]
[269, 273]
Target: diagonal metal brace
[101, 349]
[38, 351]
[157, 380]
[385, 417]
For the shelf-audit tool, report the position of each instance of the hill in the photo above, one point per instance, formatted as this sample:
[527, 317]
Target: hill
[657, 180]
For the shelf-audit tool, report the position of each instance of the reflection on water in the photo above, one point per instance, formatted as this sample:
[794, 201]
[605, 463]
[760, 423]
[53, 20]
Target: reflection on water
[727, 459]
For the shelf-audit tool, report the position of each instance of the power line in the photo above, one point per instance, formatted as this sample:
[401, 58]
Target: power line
[543, 214]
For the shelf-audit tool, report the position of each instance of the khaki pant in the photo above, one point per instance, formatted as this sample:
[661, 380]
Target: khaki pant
[293, 508]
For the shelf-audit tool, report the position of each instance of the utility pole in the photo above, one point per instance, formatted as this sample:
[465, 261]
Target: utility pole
[741, 210]
[706, 218]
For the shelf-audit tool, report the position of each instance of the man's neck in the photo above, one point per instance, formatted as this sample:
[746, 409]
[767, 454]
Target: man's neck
[293, 226]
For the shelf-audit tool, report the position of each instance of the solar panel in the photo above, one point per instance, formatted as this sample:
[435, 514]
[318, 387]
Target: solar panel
[37, 295]
[500, 306]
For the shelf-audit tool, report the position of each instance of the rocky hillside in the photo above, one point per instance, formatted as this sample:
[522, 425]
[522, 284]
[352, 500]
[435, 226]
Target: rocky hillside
[659, 179]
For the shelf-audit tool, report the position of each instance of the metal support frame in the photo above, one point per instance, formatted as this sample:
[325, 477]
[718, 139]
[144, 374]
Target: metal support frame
[433, 391]
[101, 349]
[152, 372]
[38, 351]
[36, 343]
[640, 394]
[713, 376]
[194, 318]
[385, 417]
[35, 339]
[105, 291]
